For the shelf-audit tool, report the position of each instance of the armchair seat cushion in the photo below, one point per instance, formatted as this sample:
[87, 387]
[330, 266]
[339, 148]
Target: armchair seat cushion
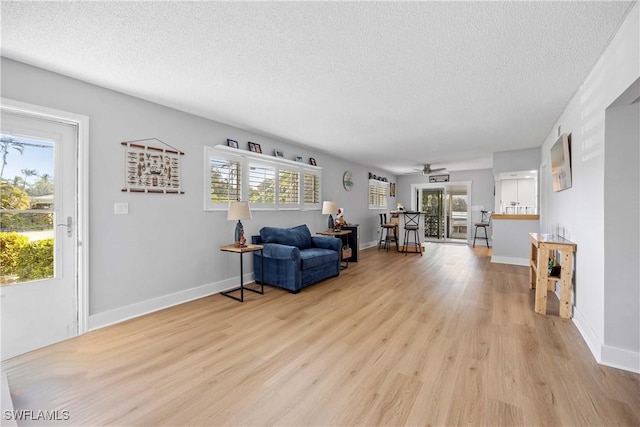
[314, 257]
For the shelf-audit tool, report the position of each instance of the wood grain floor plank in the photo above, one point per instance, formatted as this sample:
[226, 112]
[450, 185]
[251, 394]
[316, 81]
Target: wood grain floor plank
[444, 339]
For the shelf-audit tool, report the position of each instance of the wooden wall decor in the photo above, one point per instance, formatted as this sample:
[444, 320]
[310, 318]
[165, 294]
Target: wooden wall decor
[152, 169]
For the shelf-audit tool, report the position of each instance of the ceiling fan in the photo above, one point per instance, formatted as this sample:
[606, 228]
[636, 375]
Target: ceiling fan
[426, 170]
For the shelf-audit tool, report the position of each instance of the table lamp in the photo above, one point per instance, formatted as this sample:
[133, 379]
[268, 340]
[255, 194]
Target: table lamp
[329, 208]
[237, 211]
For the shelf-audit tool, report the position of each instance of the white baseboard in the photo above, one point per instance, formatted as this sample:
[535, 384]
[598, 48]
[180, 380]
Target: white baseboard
[368, 245]
[604, 354]
[589, 335]
[510, 260]
[120, 314]
[621, 358]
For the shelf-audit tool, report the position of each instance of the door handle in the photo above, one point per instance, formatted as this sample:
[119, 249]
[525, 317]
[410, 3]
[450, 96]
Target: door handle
[69, 226]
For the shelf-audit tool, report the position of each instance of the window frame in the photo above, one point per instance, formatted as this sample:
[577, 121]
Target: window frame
[378, 189]
[248, 159]
[210, 154]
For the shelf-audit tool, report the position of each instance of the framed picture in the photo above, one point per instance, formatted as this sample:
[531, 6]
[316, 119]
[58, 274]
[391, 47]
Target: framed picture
[232, 143]
[257, 147]
[252, 146]
[298, 158]
[278, 153]
[312, 161]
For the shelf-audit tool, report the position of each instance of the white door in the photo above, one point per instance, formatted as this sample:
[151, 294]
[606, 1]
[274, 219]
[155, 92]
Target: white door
[38, 220]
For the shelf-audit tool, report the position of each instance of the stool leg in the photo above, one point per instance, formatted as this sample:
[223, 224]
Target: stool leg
[406, 241]
[486, 236]
[474, 237]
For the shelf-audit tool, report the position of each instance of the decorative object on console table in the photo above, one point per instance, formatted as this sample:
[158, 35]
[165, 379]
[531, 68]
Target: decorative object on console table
[328, 208]
[340, 221]
[238, 211]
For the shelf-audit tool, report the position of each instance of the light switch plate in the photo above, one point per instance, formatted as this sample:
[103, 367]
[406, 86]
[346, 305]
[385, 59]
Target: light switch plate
[121, 208]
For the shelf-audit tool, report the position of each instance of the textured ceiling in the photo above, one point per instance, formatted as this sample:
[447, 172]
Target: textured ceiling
[390, 84]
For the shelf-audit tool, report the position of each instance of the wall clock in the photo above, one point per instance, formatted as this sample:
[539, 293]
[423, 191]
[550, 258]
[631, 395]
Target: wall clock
[347, 180]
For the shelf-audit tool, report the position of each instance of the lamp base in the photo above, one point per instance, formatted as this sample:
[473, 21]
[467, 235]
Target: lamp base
[239, 240]
[330, 223]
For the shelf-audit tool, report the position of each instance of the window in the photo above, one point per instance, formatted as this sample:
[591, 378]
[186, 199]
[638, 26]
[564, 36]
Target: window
[267, 182]
[311, 196]
[378, 191]
[288, 188]
[224, 180]
[262, 185]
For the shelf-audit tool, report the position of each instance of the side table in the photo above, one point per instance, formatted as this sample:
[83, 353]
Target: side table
[540, 250]
[241, 250]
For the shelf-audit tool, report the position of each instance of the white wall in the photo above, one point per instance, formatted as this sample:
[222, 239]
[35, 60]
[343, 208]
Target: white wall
[516, 160]
[482, 189]
[166, 249]
[622, 226]
[579, 211]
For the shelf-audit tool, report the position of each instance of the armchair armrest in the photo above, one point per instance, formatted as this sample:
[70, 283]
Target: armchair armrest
[278, 251]
[327, 243]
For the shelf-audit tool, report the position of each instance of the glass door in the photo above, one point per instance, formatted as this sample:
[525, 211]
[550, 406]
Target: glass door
[433, 207]
[457, 218]
[446, 211]
[38, 268]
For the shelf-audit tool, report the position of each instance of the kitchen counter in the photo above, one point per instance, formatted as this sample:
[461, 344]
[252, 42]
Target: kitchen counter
[515, 216]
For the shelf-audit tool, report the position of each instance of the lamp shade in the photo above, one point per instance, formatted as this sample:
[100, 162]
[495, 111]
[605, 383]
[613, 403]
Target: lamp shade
[238, 210]
[329, 208]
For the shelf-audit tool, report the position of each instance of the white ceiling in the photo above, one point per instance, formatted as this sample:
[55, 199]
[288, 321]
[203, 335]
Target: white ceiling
[387, 84]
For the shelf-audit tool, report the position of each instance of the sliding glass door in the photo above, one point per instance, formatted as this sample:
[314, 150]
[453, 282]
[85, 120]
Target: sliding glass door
[446, 210]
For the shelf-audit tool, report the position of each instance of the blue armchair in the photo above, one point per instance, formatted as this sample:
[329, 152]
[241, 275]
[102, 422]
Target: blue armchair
[293, 259]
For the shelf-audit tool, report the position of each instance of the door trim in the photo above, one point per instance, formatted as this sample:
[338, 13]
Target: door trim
[82, 248]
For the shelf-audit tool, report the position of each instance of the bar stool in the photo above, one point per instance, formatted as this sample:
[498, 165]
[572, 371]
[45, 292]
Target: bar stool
[485, 222]
[412, 225]
[385, 229]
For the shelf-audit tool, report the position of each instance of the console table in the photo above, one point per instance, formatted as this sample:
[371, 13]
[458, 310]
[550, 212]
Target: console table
[241, 250]
[540, 250]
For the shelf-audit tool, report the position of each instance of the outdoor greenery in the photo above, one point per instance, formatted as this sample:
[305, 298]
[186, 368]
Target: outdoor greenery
[21, 197]
[13, 198]
[459, 204]
[24, 259]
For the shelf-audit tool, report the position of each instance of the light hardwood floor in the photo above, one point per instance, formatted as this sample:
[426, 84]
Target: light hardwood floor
[443, 339]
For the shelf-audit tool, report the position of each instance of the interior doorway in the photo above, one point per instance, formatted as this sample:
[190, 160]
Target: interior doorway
[446, 208]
